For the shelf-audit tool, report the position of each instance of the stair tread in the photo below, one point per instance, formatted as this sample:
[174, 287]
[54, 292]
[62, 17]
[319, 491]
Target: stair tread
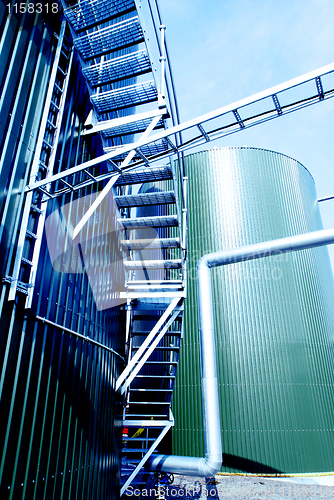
[174, 363]
[137, 200]
[153, 264]
[174, 349]
[150, 390]
[140, 244]
[118, 68]
[151, 149]
[141, 333]
[89, 13]
[125, 97]
[135, 450]
[147, 415]
[154, 282]
[155, 221]
[147, 403]
[109, 39]
[144, 175]
[135, 127]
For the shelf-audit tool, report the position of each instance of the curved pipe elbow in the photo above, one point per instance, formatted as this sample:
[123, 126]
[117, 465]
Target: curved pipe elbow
[211, 465]
[188, 466]
[203, 263]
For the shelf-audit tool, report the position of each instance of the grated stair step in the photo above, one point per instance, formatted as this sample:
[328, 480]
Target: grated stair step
[118, 68]
[109, 39]
[138, 439]
[140, 200]
[147, 415]
[151, 390]
[170, 348]
[156, 221]
[155, 285]
[173, 363]
[151, 244]
[145, 333]
[89, 13]
[147, 175]
[125, 97]
[153, 149]
[153, 264]
[134, 127]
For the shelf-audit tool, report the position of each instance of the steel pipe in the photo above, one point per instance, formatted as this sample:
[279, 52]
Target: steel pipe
[211, 463]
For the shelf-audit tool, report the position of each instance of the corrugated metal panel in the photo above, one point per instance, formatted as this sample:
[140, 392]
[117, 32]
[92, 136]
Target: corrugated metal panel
[60, 415]
[274, 317]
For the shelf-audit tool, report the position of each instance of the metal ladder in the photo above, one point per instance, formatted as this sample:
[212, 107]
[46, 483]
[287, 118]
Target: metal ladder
[22, 279]
[122, 50]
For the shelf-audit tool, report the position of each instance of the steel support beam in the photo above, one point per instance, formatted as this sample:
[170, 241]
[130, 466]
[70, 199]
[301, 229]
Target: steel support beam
[224, 130]
[148, 346]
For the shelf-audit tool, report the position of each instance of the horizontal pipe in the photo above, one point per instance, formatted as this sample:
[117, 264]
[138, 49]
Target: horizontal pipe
[211, 463]
[267, 248]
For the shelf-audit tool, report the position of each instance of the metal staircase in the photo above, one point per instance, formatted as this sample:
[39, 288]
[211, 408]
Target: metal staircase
[125, 65]
[148, 416]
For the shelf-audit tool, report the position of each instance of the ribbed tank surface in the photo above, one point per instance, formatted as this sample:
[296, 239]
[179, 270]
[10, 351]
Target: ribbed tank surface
[274, 317]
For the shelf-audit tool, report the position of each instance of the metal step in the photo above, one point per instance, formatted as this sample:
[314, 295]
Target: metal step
[145, 305]
[118, 68]
[138, 439]
[155, 285]
[151, 295]
[89, 13]
[150, 390]
[147, 175]
[128, 124]
[152, 264]
[150, 317]
[171, 348]
[134, 127]
[109, 39]
[145, 423]
[135, 450]
[156, 221]
[152, 149]
[174, 363]
[151, 244]
[140, 200]
[125, 97]
[169, 334]
[150, 415]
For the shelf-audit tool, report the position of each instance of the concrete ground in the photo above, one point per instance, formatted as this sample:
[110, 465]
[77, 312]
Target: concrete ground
[241, 488]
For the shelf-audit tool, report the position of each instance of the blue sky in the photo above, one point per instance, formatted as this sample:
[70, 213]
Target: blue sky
[223, 51]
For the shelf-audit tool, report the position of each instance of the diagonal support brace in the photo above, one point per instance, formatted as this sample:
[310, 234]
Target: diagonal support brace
[148, 346]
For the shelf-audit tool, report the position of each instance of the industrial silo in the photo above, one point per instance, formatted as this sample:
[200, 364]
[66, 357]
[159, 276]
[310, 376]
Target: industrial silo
[274, 317]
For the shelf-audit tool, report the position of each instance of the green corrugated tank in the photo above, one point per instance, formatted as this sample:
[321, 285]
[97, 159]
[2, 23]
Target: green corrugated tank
[274, 317]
